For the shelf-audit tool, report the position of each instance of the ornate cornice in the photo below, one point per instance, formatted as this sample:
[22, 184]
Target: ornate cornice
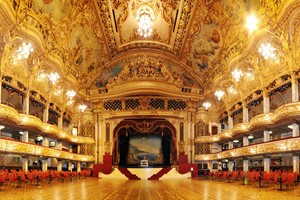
[8, 146]
[9, 115]
[287, 111]
[275, 147]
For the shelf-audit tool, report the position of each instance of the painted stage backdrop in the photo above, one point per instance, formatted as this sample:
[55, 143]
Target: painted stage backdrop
[145, 148]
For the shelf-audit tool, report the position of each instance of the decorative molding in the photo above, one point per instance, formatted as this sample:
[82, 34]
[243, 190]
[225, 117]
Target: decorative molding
[8, 146]
[287, 111]
[9, 115]
[274, 147]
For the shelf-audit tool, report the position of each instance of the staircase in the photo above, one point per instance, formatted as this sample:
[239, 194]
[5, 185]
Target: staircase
[158, 175]
[128, 174]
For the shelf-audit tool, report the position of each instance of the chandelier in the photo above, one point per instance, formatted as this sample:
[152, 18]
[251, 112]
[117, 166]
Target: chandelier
[206, 105]
[145, 17]
[24, 51]
[237, 74]
[267, 51]
[82, 107]
[53, 77]
[219, 94]
[251, 22]
[71, 94]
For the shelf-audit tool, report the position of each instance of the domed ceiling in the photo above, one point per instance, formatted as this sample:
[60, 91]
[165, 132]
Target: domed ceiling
[201, 40]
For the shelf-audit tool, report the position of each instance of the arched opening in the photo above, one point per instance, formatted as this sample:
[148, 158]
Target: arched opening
[153, 140]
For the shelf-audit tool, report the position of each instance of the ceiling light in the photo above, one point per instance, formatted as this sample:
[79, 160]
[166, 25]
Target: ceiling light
[251, 22]
[53, 77]
[22, 132]
[290, 126]
[71, 94]
[270, 132]
[82, 107]
[250, 137]
[219, 94]
[206, 105]
[145, 17]
[237, 74]
[235, 141]
[267, 51]
[2, 127]
[24, 51]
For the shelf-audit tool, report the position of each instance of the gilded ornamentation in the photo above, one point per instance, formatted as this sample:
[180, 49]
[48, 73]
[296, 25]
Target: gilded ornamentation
[8, 146]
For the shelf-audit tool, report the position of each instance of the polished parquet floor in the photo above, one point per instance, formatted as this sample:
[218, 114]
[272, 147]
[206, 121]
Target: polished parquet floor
[93, 188]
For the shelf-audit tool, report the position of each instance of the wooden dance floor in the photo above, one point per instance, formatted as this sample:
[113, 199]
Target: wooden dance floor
[93, 188]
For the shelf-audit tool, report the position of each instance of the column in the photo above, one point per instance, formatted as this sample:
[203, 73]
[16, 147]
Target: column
[59, 145]
[295, 130]
[70, 166]
[0, 86]
[230, 166]
[266, 136]
[24, 137]
[230, 121]
[24, 164]
[245, 113]
[78, 166]
[44, 165]
[60, 122]
[245, 141]
[26, 103]
[245, 164]
[295, 89]
[266, 102]
[59, 165]
[45, 142]
[296, 163]
[46, 114]
[266, 164]
[230, 145]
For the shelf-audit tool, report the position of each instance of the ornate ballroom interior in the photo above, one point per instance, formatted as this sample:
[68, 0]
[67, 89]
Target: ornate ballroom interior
[210, 84]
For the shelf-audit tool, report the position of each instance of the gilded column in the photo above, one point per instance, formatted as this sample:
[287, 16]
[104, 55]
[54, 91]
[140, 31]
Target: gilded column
[44, 165]
[266, 162]
[59, 165]
[296, 163]
[295, 89]
[46, 113]
[295, 130]
[230, 145]
[245, 164]
[266, 135]
[245, 141]
[245, 113]
[25, 164]
[26, 103]
[78, 166]
[266, 102]
[230, 166]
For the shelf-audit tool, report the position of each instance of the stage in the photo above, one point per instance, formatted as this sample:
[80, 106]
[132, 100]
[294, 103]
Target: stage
[145, 174]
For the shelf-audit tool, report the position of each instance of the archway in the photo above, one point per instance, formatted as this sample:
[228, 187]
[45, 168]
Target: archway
[153, 140]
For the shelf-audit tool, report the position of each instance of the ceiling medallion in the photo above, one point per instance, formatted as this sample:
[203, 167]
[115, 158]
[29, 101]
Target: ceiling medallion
[145, 17]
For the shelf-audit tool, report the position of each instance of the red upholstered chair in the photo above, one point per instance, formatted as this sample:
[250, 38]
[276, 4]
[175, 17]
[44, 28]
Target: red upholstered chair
[289, 181]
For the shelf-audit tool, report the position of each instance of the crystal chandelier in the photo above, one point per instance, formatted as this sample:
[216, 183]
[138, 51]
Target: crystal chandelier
[24, 51]
[71, 94]
[82, 107]
[144, 17]
[53, 77]
[237, 74]
[219, 94]
[251, 22]
[267, 51]
[206, 105]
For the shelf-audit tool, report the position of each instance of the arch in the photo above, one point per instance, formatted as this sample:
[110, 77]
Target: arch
[144, 128]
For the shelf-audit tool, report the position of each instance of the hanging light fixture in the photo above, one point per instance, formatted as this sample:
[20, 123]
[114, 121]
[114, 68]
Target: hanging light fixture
[82, 107]
[251, 22]
[237, 74]
[71, 94]
[145, 17]
[206, 105]
[250, 137]
[53, 77]
[24, 51]
[219, 94]
[267, 51]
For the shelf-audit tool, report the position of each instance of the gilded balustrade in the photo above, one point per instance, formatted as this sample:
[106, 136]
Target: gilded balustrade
[29, 122]
[10, 146]
[291, 110]
[273, 147]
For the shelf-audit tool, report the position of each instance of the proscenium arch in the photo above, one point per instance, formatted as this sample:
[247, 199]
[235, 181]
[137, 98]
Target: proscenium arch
[146, 126]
